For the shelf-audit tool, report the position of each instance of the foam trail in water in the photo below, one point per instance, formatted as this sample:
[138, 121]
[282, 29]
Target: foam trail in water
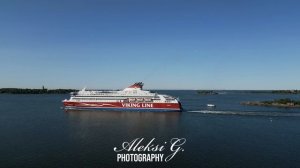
[245, 113]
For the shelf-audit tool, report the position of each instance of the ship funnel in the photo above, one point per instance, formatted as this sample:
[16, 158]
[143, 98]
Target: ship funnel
[137, 85]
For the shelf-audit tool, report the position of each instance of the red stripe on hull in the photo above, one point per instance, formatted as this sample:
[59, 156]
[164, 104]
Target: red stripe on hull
[123, 105]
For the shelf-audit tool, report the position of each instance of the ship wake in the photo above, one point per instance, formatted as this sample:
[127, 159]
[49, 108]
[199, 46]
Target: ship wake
[246, 113]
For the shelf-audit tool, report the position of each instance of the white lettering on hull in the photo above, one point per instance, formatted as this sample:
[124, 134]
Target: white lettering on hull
[138, 105]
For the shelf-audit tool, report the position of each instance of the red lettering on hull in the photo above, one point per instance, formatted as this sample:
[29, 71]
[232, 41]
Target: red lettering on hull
[122, 105]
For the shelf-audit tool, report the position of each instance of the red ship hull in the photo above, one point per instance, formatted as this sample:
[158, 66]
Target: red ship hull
[119, 106]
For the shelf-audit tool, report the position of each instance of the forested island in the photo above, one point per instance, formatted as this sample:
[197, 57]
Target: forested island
[35, 91]
[274, 103]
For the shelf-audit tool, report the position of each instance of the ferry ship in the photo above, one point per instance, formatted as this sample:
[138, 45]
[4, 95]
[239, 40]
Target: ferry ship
[132, 98]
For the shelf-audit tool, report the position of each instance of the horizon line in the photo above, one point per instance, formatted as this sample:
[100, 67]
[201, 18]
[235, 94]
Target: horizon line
[149, 89]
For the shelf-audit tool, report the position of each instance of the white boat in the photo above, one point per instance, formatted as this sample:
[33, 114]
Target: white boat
[211, 105]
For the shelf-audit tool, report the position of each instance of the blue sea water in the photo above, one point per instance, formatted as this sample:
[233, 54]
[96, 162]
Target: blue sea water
[36, 132]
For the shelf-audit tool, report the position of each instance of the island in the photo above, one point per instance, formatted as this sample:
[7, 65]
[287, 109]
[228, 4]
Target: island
[274, 103]
[43, 90]
[207, 92]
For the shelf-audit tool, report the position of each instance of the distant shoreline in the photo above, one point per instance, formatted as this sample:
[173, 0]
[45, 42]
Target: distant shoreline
[216, 92]
[207, 92]
[200, 92]
[35, 91]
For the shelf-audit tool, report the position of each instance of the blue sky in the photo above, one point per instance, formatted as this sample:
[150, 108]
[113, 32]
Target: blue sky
[204, 44]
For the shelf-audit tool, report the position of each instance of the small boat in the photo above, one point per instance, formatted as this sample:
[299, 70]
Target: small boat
[211, 105]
